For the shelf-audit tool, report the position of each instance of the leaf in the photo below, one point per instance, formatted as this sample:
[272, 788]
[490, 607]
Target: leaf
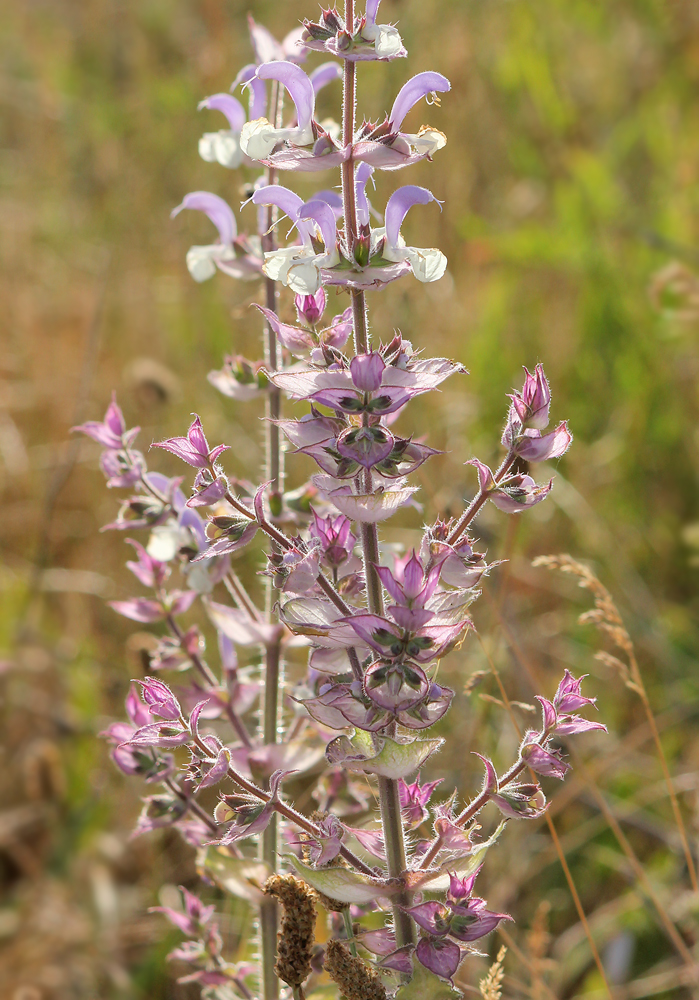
[241, 877]
[437, 878]
[390, 760]
[342, 884]
[424, 985]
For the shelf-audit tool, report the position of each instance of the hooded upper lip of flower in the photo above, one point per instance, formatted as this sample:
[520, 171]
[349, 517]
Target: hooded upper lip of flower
[300, 266]
[202, 261]
[384, 146]
[426, 264]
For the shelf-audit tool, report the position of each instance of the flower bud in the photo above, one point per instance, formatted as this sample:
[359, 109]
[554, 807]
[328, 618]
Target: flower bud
[309, 308]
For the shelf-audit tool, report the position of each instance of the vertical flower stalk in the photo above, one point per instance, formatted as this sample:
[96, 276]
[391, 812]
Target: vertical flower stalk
[376, 624]
[274, 473]
[389, 800]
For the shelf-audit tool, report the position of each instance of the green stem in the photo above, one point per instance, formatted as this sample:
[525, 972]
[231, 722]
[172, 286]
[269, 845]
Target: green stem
[349, 930]
[392, 823]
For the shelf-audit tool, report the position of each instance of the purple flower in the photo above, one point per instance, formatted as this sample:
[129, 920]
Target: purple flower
[545, 762]
[569, 697]
[426, 264]
[329, 844]
[239, 378]
[307, 146]
[432, 917]
[160, 700]
[251, 815]
[520, 801]
[413, 800]
[151, 572]
[223, 146]
[461, 888]
[259, 138]
[194, 448]
[518, 493]
[531, 405]
[123, 469]
[532, 446]
[409, 585]
[528, 416]
[341, 705]
[300, 569]
[111, 432]
[364, 40]
[569, 725]
[390, 640]
[139, 609]
[387, 146]
[439, 955]
[335, 537]
[192, 919]
[226, 534]
[396, 687]
[268, 49]
[368, 385]
[309, 308]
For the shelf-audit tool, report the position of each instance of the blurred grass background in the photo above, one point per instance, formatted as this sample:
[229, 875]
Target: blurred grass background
[571, 224]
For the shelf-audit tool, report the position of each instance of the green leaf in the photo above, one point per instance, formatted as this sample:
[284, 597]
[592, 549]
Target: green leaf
[342, 884]
[241, 877]
[435, 879]
[424, 985]
[388, 758]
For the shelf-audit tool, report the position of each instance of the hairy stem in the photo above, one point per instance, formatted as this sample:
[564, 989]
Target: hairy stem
[274, 473]
[478, 501]
[349, 931]
[389, 800]
[392, 823]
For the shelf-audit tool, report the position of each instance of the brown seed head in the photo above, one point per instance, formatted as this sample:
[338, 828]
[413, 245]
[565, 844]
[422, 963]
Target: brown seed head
[355, 979]
[295, 938]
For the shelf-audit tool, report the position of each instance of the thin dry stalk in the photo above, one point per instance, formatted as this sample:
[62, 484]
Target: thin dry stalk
[638, 869]
[606, 618]
[538, 940]
[526, 962]
[554, 837]
[490, 987]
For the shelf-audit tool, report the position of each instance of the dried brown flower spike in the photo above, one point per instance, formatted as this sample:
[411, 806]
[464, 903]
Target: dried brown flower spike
[296, 935]
[355, 979]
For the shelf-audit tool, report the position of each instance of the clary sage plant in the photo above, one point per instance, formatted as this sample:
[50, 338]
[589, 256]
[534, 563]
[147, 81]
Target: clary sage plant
[395, 870]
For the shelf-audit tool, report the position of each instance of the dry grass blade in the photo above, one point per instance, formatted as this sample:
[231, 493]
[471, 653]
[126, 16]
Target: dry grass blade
[605, 616]
[554, 837]
[544, 988]
[638, 869]
[490, 986]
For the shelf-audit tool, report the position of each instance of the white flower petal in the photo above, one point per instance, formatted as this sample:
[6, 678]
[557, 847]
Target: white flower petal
[427, 141]
[388, 42]
[200, 263]
[303, 276]
[258, 138]
[227, 149]
[427, 264]
[277, 263]
[207, 147]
